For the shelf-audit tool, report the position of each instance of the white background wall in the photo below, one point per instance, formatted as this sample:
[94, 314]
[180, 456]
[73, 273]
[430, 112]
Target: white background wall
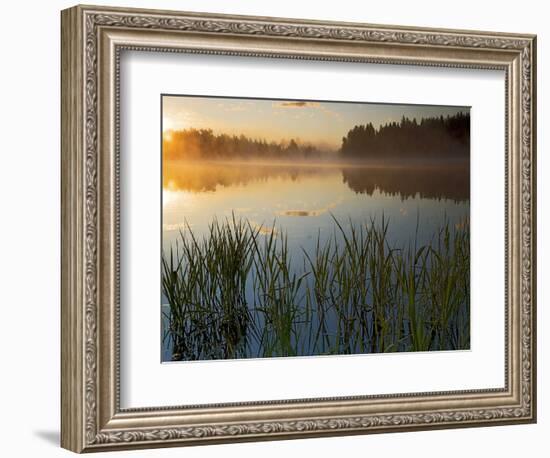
[29, 226]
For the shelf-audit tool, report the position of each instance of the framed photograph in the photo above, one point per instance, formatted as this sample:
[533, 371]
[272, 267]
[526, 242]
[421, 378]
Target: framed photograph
[277, 228]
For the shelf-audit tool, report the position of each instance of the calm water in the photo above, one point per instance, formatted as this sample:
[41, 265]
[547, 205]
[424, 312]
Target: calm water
[300, 199]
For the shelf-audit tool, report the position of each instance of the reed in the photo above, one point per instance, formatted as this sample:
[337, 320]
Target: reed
[237, 293]
[205, 285]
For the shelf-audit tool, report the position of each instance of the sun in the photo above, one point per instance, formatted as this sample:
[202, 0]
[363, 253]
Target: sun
[167, 135]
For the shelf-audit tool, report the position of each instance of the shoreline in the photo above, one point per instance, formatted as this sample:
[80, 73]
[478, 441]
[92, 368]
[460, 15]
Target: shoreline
[389, 164]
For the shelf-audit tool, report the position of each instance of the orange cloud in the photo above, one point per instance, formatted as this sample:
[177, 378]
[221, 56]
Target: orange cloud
[298, 104]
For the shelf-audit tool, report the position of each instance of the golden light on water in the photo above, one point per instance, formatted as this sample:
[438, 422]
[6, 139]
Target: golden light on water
[171, 196]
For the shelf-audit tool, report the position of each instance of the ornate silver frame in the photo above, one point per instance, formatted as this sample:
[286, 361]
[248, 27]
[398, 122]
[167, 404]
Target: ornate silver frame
[92, 39]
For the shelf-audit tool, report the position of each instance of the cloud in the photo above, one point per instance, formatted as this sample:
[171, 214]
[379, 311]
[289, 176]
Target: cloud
[317, 106]
[314, 212]
[298, 104]
[302, 213]
[305, 104]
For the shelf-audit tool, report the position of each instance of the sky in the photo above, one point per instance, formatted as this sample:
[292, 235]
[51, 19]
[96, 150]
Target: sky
[322, 124]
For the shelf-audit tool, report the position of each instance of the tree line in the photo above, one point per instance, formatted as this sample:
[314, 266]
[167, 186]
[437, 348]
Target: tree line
[432, 137]
[205, 144]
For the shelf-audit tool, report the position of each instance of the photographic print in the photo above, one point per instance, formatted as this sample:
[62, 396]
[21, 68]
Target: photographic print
[309, 228]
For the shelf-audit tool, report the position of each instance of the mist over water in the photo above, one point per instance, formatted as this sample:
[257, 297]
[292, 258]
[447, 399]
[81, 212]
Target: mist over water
[436, 179]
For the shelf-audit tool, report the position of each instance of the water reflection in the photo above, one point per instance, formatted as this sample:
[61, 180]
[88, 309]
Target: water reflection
[296, 206]
[449, 180]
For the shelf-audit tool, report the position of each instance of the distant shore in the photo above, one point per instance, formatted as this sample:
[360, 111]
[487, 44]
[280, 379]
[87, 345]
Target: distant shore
[330, 162]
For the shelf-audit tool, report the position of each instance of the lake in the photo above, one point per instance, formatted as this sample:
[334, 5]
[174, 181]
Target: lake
[303, 200]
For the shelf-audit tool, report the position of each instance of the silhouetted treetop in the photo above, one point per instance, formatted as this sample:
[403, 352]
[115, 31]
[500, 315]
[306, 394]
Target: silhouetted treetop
[205, 144]
[431, 138]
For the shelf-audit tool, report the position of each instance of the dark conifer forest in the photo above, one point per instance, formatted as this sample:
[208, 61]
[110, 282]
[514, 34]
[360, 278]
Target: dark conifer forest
[431, 138]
